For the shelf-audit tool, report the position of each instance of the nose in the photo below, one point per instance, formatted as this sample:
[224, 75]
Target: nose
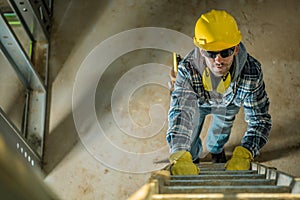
[218, 59]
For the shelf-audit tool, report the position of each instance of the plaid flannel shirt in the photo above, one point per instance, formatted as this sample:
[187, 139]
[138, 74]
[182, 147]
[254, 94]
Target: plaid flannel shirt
[247, 90]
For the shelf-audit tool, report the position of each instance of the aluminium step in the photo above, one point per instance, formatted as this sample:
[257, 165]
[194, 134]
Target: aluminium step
[214, 182]
[229, 172]
[225, 189]
[220, 182]
[218, 196]
[218, 176]
[209, 166]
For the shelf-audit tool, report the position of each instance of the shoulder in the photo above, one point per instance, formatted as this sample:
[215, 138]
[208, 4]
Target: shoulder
[252, 68]
[186, 65]
[251, 75]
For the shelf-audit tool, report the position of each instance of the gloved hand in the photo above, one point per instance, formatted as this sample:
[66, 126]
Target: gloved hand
[240, 160]
[182, 164]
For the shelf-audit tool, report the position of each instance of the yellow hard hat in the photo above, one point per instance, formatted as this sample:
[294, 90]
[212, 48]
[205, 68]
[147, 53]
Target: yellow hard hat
[216, 30]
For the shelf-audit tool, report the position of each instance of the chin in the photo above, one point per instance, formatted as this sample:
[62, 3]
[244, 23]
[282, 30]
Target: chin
[219, 73]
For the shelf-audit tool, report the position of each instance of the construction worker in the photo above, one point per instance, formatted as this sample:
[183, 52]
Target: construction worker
[217, 77]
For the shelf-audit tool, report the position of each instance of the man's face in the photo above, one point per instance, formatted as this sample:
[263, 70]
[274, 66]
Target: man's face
[219, 63]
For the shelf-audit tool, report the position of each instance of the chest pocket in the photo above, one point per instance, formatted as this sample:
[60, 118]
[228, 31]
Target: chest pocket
[244, 86]
[230, 96]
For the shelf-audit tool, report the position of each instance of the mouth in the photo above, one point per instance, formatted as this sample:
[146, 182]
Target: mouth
[220, 66]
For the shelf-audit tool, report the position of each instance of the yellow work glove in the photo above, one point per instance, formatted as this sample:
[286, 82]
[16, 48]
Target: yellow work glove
[240, 160]
[182, 164]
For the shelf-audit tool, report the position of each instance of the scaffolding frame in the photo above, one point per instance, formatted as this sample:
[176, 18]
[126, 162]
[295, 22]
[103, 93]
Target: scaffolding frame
[32, 70]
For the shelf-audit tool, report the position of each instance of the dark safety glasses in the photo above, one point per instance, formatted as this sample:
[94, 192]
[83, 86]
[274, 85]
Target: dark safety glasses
[224, 53]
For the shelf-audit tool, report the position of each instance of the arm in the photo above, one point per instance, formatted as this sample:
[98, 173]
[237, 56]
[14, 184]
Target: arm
[182, 109]
[256, 107]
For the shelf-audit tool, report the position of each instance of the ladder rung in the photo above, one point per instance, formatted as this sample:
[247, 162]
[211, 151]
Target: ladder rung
[224, 189]
[229, 172]
[208, 166]
[211, 165]
[219, 182]
[211, 169]
[218, 176]
[214, 182]
[218, 196]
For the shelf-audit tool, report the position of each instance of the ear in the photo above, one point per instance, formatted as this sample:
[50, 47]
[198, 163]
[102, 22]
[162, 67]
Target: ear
[236, 50]
[201, 52]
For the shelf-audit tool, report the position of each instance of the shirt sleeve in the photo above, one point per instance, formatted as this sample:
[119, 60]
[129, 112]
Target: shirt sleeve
[182, 110]
[256, 108]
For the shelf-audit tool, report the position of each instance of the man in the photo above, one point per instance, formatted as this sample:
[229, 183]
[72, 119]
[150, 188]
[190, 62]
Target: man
[217, 77]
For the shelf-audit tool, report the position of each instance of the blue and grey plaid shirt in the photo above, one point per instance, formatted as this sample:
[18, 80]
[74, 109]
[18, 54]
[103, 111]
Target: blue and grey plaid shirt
[247, 89]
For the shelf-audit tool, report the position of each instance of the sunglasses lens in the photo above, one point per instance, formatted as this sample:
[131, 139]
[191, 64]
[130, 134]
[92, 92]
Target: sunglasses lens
[227, 52]
[224, 53]
[211, 54]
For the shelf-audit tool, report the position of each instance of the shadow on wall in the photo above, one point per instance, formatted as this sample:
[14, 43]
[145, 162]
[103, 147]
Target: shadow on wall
[61, 140]
[59, 143]
[277, 153]
[281, 143]
[69, 24]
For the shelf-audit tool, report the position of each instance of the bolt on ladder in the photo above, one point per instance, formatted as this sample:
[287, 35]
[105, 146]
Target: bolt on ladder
[214, 182]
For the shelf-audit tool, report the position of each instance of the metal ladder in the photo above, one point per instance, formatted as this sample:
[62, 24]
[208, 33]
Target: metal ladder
[214, 182]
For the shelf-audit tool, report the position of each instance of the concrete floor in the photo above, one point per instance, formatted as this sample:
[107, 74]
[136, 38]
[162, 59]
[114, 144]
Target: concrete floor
[98, 151]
